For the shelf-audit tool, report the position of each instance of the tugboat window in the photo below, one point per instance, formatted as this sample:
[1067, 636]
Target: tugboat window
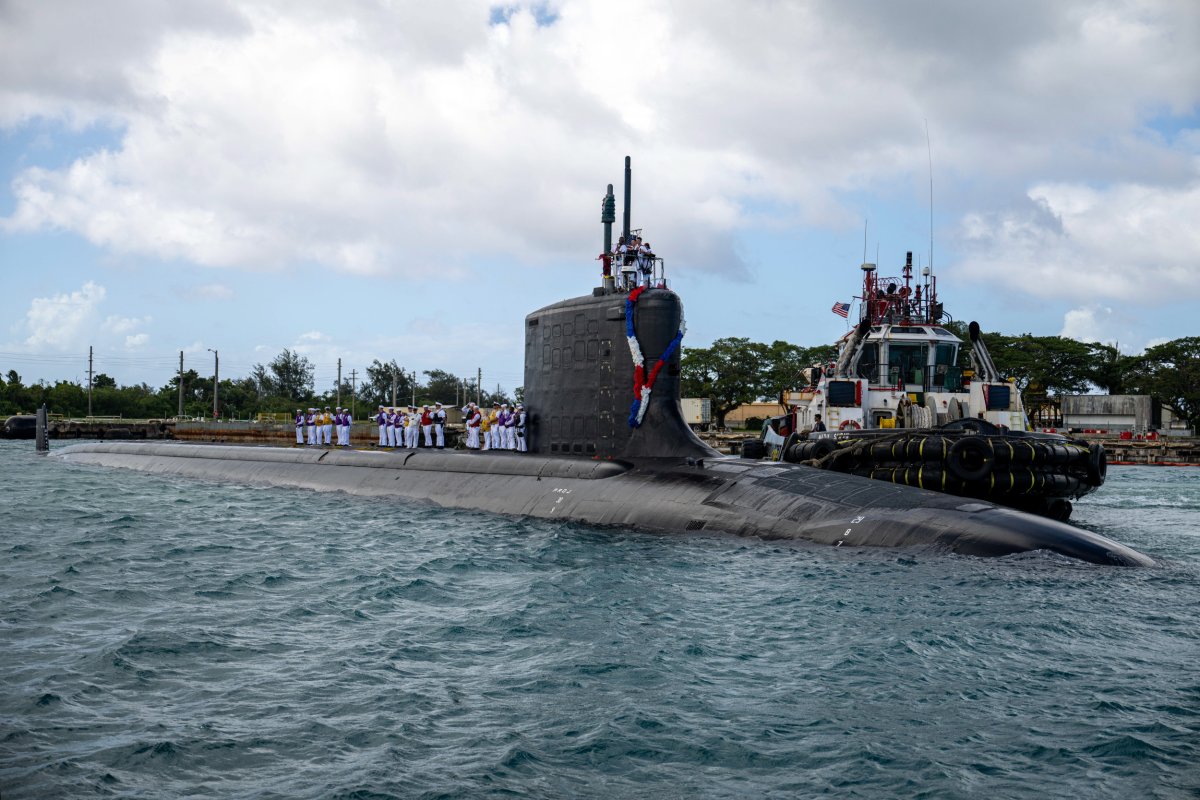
[907, 362]
[868, 363]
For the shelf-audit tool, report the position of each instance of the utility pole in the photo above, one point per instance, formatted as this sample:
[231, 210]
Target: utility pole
[394, 379]
[339, 384]
[353, 392]
[216, 381]
[89, 380]
[181, 383]
[414, 387]
[478, 383]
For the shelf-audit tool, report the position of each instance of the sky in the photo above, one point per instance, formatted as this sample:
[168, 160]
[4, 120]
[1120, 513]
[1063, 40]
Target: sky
[406, 180]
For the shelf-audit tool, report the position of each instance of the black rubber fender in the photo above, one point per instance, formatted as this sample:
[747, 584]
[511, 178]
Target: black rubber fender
[973, 424]
[883, 451]
[797, 452]
[971, 458]
[1059, 509]
[927, 448]
[1097, 466]
[822, 448]
[1022, 452]
[754, 449]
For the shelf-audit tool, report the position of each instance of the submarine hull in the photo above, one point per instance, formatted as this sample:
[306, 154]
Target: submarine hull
[719, 495]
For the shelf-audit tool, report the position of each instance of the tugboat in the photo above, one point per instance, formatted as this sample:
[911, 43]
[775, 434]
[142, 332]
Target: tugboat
[897, 407]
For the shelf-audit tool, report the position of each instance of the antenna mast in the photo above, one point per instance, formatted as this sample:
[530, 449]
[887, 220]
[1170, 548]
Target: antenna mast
[929, 152]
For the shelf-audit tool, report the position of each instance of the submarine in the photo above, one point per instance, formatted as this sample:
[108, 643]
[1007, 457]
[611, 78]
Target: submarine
[608, 446]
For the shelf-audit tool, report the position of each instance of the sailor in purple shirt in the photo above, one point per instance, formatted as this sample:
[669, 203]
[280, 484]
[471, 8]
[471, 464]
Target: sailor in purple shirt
[299, 426]
[381, 421]
[510, 430]
[501, 427]
[310, 425]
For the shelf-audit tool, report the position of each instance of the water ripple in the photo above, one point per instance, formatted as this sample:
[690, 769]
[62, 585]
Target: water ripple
[163, 637]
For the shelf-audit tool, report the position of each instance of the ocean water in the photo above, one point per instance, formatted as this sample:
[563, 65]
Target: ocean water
[168, 638]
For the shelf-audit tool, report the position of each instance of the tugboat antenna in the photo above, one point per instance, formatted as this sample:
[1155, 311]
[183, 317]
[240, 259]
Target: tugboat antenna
[929, 152]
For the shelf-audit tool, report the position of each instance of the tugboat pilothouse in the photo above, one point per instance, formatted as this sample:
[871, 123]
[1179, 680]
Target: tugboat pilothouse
[897, 406]
[899, 367]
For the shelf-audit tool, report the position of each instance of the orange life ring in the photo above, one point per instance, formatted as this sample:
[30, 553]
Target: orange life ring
[849, 423]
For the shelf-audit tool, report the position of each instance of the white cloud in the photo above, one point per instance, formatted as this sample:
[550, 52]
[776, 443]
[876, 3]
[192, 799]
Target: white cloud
[1127, 242]
[136, 341]
[60, 322]
[117, 324]
[410, 139]
[1090, 324]
[1155, 342]
[213, 291]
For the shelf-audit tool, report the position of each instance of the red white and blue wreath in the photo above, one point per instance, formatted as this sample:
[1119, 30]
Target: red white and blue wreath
[643, 384]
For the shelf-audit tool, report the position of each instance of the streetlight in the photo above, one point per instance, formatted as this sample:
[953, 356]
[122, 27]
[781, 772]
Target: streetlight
[216, 380]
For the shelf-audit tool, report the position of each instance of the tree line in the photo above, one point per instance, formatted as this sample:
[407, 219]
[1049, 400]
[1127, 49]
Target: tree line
[736, 371]
[732, 372]
[280, 386]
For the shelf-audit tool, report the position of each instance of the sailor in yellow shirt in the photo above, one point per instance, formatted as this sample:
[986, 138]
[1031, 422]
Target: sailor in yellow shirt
[326, 427]
[495, 434]
[485, 428]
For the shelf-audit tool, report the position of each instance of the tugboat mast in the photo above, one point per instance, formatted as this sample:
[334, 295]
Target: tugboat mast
[896, 300]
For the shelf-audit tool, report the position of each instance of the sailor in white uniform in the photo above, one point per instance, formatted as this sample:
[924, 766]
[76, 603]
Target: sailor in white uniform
[381, 421]
[645, 261]
[310, 426]
[522, 447]
[427, 426]
[412, 430]
[299, 426]
[508, 430]
[392, 414]
[439, 426]
[473, 419]
[401, 420]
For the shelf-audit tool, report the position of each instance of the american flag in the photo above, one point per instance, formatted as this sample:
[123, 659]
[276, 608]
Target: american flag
[842, 309]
